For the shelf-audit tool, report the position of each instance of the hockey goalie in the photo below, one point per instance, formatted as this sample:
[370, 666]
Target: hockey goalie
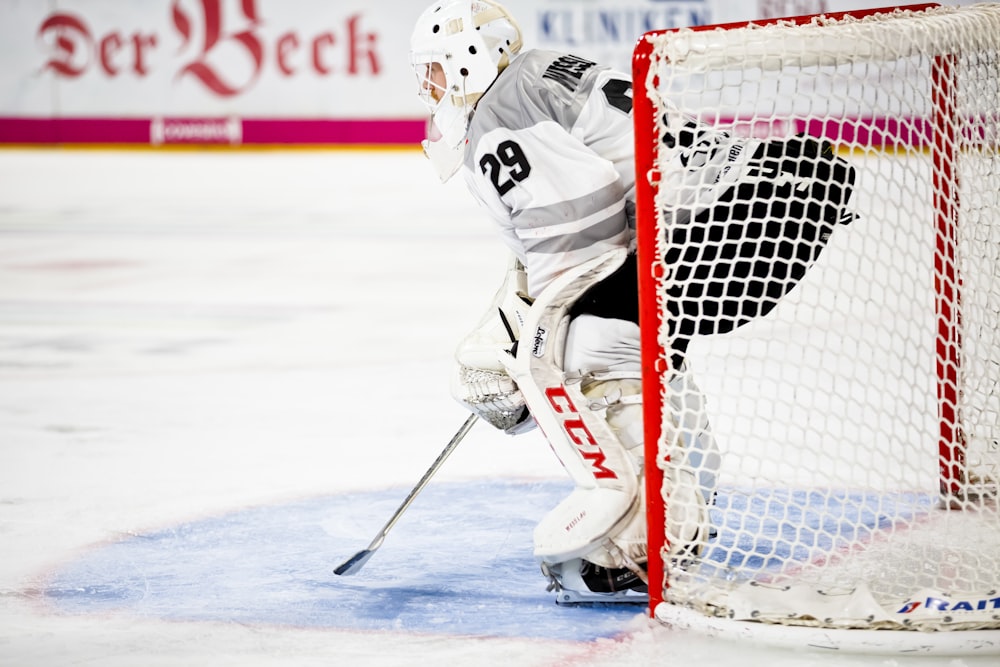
[544, 141]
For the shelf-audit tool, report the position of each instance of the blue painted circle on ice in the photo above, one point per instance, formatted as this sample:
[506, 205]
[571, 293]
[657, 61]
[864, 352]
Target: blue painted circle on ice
[458, 562]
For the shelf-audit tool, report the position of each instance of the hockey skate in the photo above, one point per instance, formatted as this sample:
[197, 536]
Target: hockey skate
[579, 581]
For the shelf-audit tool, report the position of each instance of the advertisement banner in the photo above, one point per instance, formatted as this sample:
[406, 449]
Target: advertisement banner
[207, 71]
[275, 71]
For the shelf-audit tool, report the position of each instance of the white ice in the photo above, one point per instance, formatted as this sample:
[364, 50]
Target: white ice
[188, 333]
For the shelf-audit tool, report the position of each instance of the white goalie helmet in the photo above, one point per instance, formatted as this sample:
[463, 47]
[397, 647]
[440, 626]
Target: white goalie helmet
[458, 48]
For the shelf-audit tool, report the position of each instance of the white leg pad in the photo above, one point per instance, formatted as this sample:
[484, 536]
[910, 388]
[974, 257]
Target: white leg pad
[581, 381]
[581, 521]
[602, 469]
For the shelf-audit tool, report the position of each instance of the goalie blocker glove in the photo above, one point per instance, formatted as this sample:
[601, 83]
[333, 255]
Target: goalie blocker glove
[480, 381]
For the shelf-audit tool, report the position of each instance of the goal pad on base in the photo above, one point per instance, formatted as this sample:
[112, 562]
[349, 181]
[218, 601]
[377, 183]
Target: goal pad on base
[819, 244]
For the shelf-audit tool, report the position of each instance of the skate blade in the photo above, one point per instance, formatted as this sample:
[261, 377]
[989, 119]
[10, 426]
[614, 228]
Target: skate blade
[630, 597]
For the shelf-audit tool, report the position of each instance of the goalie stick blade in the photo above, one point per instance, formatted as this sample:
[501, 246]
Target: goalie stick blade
[353, 564]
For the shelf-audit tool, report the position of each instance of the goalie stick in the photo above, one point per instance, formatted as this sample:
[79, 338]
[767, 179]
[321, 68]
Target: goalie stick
[353, 564]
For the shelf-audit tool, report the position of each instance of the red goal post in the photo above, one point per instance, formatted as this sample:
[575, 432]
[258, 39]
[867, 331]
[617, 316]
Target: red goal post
[959, 142]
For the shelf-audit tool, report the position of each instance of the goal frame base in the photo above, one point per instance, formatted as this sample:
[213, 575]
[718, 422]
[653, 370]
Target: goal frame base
[966, 643]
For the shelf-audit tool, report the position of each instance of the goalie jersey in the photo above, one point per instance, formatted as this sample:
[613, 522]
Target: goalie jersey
[551, 156]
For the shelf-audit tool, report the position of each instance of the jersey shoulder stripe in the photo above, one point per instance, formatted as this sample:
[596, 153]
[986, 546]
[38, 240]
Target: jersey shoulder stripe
[539, 85]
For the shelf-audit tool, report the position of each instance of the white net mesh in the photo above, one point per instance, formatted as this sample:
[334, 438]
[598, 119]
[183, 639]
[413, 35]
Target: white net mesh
[868, 399]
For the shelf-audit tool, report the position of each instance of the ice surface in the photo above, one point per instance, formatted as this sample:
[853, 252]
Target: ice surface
[220, 372]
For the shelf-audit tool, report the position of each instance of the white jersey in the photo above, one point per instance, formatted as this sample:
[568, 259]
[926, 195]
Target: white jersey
[550, 156]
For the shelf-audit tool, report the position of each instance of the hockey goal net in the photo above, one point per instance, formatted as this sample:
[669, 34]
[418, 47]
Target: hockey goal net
[859, 419]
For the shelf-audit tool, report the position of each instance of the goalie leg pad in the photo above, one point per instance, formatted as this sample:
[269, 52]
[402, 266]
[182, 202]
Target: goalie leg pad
[691, 462]
[605, 474]
[618, 394]
[694, 462]
[592, 417]
[690, 444]
[577, 525]
[593, 342]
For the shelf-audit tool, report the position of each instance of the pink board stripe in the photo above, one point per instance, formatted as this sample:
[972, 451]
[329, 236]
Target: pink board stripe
[56, 131]
[333, 132]
[884, 132]
[208, 131]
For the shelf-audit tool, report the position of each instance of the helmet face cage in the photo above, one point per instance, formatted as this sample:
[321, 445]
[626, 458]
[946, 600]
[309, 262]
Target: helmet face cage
[433, 86]
[471, 41]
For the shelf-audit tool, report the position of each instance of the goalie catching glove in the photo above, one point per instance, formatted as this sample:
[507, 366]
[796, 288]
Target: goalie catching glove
[480, 381]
